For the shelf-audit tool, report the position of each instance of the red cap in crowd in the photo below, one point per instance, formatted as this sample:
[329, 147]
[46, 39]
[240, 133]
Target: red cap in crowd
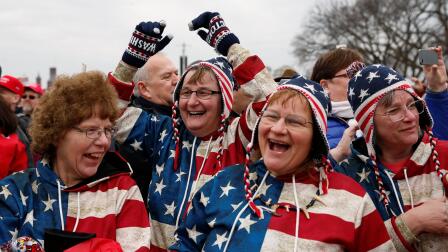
[36, 88]
[12, 84]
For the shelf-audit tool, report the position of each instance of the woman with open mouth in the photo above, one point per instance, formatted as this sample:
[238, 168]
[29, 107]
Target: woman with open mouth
[79, 189]
[289, 200]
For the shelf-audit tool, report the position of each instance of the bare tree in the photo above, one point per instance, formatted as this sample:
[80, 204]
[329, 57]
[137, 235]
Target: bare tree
[384, 31]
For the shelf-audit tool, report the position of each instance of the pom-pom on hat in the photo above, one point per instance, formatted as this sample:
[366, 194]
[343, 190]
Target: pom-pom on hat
[13, 84]
[367, 87]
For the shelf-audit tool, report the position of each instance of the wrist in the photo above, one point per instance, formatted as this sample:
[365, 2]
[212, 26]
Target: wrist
[437, 88]
[410, 223]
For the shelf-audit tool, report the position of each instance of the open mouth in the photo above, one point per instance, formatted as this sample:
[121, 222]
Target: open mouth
[93, 156]
[196, 113]
[278, 146]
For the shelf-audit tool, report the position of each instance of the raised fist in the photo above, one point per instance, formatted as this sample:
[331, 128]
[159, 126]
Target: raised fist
[146, 41]
[214, 31]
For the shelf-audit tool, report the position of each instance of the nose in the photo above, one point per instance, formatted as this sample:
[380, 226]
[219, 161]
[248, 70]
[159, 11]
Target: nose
[103, 140]
[410, 116]
[279, 126]
[193, 100]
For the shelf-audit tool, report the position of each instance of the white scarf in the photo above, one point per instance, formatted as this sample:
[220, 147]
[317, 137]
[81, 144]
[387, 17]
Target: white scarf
[341, 109]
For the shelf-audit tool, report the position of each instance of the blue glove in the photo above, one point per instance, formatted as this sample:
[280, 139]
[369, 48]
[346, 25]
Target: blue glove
[145, 41]
[214, 31]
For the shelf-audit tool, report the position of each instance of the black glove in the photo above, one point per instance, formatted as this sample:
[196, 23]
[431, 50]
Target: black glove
[214, 31]
[145, 41]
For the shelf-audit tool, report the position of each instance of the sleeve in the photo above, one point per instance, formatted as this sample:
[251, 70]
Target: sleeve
[370, 231]
[20, 159]
[193, 232]
[133, 227]
[10, 212]
[438, 107]
[256, 81]
[401, 235]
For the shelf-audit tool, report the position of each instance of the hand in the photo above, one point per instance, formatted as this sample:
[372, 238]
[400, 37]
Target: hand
[419, 87]
[145, 41]
[342, 150]
[214, 31]
[435, 75]
[430, 217]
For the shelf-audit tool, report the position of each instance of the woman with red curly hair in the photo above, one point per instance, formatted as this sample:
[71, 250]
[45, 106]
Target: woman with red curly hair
[78, 186]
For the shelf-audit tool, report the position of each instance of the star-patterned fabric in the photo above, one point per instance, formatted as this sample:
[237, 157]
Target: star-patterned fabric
[171, 189]
[347, 221]
[424, 184]
[110, 206]
[367, 87]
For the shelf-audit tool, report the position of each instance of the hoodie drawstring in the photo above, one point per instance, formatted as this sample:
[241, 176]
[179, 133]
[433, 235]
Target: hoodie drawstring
[395, 191]
[242, 210]
[195, 183]
[61, 215]
[409, 188]
[296, 201]
[60, 205]
[188, 182]
[78, 213]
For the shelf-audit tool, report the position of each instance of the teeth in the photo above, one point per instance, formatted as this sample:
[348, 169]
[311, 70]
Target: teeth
[196, 113]
[94, 155]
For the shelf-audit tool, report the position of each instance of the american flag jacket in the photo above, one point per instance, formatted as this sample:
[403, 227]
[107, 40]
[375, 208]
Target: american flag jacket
[344, 220]
[108, 204]
[171, 189]
[422, 184]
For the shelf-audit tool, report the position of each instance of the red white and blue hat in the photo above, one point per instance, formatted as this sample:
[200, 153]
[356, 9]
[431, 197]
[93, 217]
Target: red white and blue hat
[367, 87]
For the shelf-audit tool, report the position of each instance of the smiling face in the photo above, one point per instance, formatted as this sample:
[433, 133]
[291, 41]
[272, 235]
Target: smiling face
[403, 133]
[77, 156]
[284, 144]
[201, 116]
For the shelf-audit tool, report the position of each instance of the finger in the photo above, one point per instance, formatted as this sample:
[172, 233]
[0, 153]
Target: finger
[200, 22]
[203, 35]
[161, 26]
[164, 42]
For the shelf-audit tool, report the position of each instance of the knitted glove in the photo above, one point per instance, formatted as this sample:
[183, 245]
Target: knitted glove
[145, 41]
[214, 31]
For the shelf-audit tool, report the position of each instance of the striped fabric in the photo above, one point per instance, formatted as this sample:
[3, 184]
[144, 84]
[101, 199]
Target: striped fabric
[424, 184]
[347, 221]
[111, 207]
[170, 189]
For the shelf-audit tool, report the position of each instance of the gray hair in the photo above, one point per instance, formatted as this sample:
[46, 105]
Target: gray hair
[143, 74]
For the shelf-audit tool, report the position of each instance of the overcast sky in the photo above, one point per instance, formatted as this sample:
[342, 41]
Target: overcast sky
[36, 35]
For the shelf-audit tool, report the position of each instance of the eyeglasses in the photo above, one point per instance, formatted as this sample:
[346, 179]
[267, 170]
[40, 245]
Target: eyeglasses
[31, 97]
[202, 93]
[398, 113]
[95, 133]
[292, 122]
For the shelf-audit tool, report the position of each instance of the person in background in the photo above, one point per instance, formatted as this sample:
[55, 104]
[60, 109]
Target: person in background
[290, 200]
[153, 93]
[30, 98]
[12, 151]
[198, 140]
[12, 89]
[78, 185]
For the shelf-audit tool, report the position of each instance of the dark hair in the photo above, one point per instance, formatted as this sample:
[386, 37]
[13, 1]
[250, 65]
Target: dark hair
[328, 64]
[8, 120]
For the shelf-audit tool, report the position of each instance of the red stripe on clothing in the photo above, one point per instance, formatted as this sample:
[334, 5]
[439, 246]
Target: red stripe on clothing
[377, 234]
[103, 227]
[248, 69]
[130, 209]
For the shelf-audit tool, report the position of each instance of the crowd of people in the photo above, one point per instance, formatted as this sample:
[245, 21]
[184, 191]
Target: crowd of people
[225, 157]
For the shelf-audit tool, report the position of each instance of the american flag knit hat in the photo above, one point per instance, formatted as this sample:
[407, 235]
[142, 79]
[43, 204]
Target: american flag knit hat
[319, 101]
[365, 89]
[223, 73]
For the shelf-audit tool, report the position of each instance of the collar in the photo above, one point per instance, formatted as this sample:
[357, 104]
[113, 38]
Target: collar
[148, 106]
